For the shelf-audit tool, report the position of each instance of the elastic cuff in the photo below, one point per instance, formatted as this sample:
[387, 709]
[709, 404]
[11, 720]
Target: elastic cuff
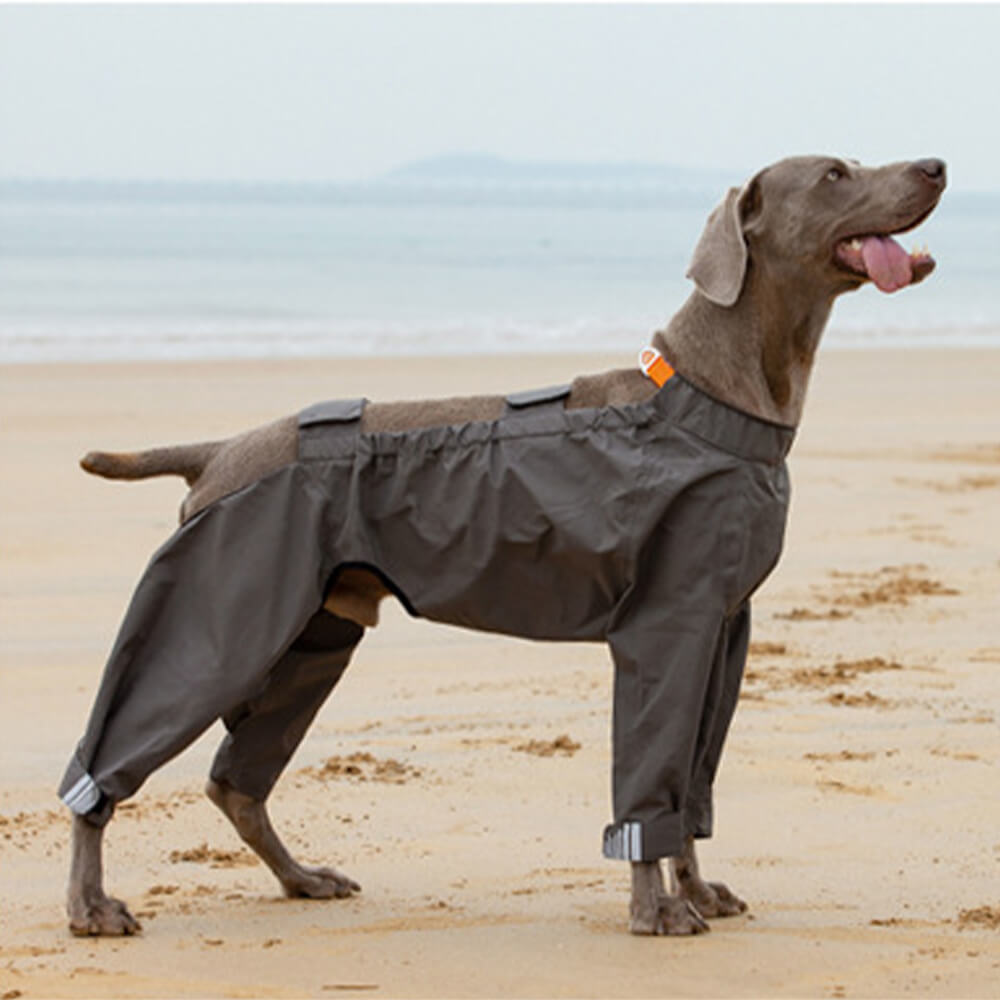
[645, 840]
[82, 795]
[78, 789]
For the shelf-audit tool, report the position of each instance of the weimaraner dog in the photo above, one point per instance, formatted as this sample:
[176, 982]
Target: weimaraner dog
[729, 385]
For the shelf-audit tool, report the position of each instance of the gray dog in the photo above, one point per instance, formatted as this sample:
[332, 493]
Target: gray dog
[639, 507]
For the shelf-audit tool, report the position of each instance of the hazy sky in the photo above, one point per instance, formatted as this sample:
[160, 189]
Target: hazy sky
[336, 92]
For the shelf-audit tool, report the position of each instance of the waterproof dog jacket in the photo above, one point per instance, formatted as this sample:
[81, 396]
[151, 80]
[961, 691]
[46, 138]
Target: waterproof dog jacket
[646, 526]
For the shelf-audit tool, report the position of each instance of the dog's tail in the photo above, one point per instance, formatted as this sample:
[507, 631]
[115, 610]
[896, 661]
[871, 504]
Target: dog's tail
[187, 460]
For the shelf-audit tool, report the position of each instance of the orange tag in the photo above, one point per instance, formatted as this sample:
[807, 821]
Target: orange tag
[655, 366]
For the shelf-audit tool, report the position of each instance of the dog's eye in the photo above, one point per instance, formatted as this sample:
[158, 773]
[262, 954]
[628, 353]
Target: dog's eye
[834, 174]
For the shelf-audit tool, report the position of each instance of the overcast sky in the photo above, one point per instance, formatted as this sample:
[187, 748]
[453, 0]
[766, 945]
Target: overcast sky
[339, 92]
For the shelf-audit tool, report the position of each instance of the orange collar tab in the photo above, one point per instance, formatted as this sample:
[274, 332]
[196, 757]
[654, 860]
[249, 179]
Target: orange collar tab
[655, 366]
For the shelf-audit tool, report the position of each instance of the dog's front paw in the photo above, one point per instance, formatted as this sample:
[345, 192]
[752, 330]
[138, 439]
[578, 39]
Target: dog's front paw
[665, 915]
[318, 883]
[711, 899]
[103, 917]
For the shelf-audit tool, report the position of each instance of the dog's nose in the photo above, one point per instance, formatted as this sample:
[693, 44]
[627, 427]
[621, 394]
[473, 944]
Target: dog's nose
[933, 169]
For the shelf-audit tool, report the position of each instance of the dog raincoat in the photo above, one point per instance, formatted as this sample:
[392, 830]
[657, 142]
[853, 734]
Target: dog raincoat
[646, 526]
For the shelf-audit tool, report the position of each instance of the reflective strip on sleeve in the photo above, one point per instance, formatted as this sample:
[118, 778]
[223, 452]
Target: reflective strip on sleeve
[83, 796]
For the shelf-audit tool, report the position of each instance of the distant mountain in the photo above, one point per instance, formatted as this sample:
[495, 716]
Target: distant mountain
[461, 178]
[486, 169]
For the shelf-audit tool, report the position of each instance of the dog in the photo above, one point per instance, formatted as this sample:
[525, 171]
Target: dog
[641, 507]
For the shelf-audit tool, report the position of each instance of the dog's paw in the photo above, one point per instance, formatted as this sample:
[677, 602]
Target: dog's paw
[318, 883]
[666, 915]
[105, 917]
[711, 899]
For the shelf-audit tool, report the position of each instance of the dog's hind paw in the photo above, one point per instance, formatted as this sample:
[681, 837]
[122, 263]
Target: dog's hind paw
[318, 883]
[666, 915]
[711, 899]
[105, 917]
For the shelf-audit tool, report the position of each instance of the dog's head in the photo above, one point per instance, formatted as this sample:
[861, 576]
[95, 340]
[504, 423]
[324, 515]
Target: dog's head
[819, 219]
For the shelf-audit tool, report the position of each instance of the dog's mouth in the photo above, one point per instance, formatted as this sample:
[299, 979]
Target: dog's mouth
[879, 258]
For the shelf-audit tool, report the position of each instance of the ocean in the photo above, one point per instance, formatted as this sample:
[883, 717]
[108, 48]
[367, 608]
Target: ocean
[421, 262]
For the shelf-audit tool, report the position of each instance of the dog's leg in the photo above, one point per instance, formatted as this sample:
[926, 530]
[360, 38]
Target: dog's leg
[264, 733]
[711, 899]
[654, 911]
[252, 823]
[90, 911]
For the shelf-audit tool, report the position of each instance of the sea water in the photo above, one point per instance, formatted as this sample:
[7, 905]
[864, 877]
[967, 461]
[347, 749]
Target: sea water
[105, 271]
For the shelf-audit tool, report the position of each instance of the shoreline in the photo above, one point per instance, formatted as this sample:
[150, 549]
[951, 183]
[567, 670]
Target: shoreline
[622, 353]
[964, 337]
[854, 807]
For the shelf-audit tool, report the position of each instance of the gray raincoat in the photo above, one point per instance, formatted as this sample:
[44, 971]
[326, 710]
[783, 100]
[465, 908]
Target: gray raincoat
[646, 526]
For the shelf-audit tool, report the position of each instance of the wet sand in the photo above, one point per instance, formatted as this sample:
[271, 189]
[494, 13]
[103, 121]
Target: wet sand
[463, 779]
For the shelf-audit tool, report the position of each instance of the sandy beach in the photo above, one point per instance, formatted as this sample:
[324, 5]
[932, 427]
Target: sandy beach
[463, 779]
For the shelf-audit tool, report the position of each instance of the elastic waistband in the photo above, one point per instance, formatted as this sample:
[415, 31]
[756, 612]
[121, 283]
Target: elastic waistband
[730, 429]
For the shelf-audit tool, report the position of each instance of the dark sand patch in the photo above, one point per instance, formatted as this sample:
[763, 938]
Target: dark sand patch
[869, 699]
[896, 585]
[977, 454]
[363, 766]
[964, 484]
[890, 586]
[980, 917]
[214, 857]
[832, 675]
[563, 746]
[812, 615]
[768, 649]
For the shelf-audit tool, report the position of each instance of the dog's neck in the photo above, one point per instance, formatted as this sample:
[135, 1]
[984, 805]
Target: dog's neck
[756, 355]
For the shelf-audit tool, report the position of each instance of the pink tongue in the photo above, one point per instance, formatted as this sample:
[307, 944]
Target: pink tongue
[886, 262]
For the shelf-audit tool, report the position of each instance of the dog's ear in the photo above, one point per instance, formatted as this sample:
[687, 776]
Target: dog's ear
[719, 263]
